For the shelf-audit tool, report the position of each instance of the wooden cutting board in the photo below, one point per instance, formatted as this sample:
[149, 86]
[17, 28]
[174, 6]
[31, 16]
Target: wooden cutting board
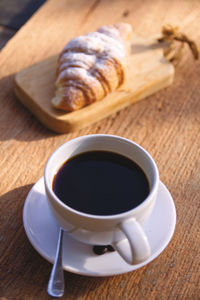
[148, 72]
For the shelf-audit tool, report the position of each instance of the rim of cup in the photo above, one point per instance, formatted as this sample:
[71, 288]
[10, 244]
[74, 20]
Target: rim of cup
[153, 188]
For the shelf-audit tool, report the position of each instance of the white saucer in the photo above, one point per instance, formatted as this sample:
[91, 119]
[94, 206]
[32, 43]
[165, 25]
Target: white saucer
[42, 231]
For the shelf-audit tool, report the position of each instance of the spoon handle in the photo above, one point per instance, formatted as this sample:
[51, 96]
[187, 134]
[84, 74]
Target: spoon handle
[56, 281]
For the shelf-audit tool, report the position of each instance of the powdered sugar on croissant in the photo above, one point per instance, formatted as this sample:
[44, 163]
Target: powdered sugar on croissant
[91, 66]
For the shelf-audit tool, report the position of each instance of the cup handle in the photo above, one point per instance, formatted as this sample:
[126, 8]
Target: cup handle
[135, 247]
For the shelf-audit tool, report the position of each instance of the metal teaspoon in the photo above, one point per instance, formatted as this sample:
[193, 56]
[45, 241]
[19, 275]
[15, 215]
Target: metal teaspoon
[56, 280]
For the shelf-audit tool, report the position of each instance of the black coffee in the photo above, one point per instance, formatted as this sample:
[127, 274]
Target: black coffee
[101, 183]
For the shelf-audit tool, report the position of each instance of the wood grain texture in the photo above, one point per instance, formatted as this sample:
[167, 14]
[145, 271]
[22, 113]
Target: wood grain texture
[167, 124]
[148, 72]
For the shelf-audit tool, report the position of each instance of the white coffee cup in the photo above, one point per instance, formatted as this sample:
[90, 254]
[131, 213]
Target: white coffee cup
[123, 231]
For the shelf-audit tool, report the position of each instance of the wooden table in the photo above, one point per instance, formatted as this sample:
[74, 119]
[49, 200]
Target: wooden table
[167, 124]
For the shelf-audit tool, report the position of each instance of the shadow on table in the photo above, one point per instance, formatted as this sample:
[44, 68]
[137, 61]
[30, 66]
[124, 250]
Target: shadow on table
[23, 272]
[14, 16]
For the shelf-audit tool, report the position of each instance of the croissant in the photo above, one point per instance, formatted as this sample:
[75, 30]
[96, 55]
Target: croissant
[91, 66]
